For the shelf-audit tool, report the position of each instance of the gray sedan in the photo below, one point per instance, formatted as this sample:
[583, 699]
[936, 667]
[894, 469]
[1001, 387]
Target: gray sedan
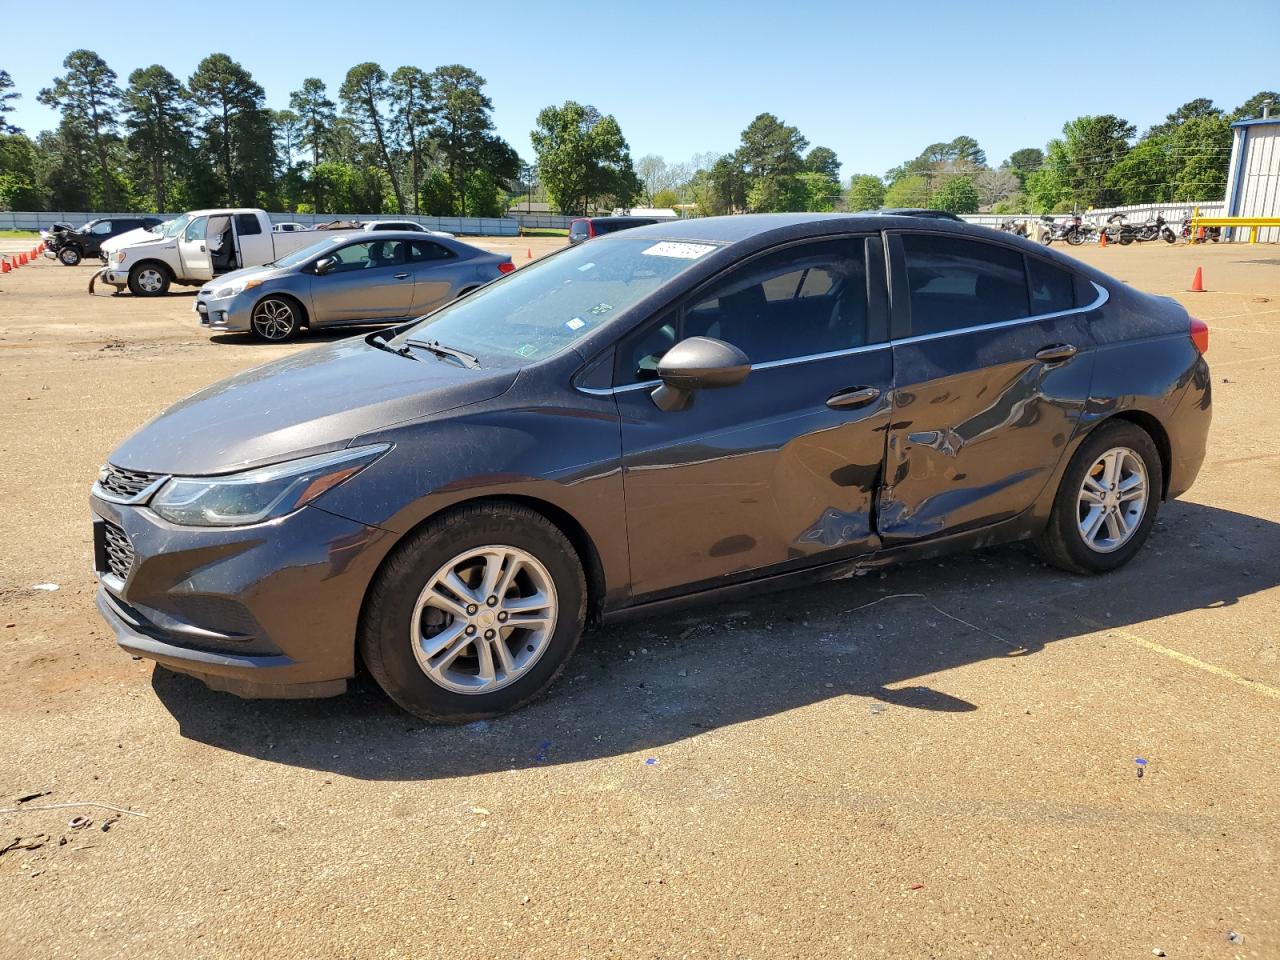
[362, 278]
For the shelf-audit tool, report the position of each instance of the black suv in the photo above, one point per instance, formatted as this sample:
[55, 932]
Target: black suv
[584, 228]
[69, 245]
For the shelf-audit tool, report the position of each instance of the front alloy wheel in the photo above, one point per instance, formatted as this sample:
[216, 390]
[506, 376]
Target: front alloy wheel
[274, 320]
[69, 256]
[148, 280]
[1112, 500]
[483, 619]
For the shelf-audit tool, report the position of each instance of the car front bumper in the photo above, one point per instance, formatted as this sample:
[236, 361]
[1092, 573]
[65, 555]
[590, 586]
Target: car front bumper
[268, 610]
[230, 314]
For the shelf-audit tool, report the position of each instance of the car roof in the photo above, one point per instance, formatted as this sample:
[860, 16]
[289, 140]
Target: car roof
[743, 226]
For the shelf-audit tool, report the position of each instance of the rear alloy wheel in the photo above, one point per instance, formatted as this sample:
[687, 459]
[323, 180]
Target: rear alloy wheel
[275, 320]
[69, 256]
[475, 614]
[1107, 502]
[148, 280]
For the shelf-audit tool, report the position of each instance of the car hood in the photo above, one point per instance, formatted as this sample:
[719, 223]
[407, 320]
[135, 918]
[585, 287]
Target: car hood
[133, 238]
[313, 401]
[244, 273]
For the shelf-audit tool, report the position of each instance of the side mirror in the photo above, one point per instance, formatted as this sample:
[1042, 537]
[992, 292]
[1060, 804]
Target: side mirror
[324, 265]
[698, 363]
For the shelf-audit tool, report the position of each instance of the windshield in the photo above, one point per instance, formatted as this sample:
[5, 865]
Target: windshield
[161, 229]
[307, 252]
[536, 312]
[175, 227]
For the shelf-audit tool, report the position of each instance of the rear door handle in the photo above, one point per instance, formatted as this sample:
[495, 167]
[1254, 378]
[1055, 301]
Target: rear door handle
[401, 276]
[1056, 353]
[853, 397]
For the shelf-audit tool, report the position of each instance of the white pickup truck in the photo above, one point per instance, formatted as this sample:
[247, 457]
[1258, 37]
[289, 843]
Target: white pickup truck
[195, 248]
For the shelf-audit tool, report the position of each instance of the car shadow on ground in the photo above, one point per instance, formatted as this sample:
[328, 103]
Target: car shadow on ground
[647, 684]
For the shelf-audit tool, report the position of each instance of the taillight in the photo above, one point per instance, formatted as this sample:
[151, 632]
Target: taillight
[591, 229]
[506, 266]
[1200, 335]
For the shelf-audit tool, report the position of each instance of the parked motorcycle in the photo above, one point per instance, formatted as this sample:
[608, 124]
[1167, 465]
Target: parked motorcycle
[1016, 227]
[1155, 229]
[1212, 234]
[1118, 230]
[1073, 231]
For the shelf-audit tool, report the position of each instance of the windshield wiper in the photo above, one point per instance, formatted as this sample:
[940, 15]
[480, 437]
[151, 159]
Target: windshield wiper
[440, 350]
[380, 340]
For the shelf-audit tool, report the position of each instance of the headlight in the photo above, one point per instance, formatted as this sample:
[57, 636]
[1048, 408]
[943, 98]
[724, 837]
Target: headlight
[261, 494]
[240, 286]
[118, 256]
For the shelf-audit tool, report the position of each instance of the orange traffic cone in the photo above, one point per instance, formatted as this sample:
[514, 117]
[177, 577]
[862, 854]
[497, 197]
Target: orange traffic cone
[1103, 241]
[22, 259]
[1197, 283]
[4, 265]
[529, 254]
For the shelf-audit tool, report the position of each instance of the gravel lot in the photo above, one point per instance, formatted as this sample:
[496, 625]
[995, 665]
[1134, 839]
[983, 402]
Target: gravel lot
[934, 762]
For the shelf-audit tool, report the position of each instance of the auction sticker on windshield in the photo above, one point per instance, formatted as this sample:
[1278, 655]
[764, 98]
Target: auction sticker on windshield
[681, 251]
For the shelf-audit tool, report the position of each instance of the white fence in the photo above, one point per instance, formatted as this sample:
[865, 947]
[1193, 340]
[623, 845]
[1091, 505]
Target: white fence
[1136, 213]
[473, 226]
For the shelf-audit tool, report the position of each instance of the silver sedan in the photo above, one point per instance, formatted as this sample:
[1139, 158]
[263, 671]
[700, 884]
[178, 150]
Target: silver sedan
[382, 277]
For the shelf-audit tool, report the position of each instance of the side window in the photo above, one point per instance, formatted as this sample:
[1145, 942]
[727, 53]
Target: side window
[369, 256]
[797, 302]
[247, 224]
[957, 283]
[423, 250]
[195, 229]
[102, 228]
[1052, 288]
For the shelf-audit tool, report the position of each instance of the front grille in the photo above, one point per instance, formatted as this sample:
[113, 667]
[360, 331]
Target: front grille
[118, 549]
[126, 484]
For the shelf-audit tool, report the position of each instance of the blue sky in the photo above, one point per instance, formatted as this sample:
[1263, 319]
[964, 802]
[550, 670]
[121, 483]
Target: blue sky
[875, 82]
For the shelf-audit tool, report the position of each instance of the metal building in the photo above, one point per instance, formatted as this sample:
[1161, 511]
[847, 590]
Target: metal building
[1253, 179]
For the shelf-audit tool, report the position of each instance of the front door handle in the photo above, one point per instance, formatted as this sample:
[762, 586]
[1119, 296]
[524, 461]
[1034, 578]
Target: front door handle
[853, 397]
[401, 276]
[1056, 353]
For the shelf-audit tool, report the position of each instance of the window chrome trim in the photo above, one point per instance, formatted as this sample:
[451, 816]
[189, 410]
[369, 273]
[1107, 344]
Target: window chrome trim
[1103, 296]
[766, 365]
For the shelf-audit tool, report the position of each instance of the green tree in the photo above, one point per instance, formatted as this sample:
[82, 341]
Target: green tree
[159, 134]
[665, 199]
[908, 191]
[582, 158]
[965, 151]
[365, 95]
[769, 156]
[1024, 162]
[313, 105]
[7, 96]
[957, 195]
[728, 187]
[19, 173]
[237, 128]
[823, 160]
[866, 192]
[464, 127]
[1200, 107]
[411, 99]
[87, 95]
[1251, 109]
[654, 175]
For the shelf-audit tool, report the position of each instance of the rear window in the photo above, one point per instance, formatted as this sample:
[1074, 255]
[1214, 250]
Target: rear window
[579, 228]
[1052, 288]
[957, 283]
[247, 224]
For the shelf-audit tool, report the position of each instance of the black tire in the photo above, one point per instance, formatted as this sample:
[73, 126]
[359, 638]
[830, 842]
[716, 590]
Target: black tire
[1061, 543]
[385, 626]
[1126, 239]
[276, 319]
[1168, 236]
[1075, 238]
[69, 257]
[149, 279]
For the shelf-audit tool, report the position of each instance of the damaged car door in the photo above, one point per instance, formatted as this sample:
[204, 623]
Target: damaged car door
[993, 361]
[780, 470]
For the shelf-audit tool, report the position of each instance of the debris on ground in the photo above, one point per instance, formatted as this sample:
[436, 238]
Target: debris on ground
[48, 587]
[1142, 765]
[651, 761]
[1235, 937]
[79, 823]
[480, 811]
[1157, 952]
[917, 886]
[25, 798]
[26, 843]
[878, 708]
